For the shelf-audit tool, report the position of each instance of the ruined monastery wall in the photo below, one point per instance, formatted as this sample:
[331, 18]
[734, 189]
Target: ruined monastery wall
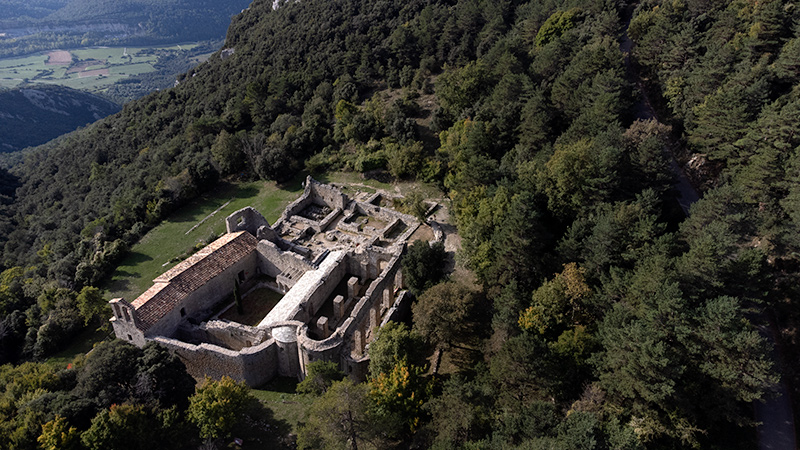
[364, 250]
[324, 285]
[124, 323]
[199, 302]
[366, 315]
[254, 365]
[245, 219]
[230, 335]
[324, 194]
[274, 261]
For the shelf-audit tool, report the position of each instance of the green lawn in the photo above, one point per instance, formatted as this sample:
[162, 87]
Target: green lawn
[80, 345]
[281, 397]
[150, 257]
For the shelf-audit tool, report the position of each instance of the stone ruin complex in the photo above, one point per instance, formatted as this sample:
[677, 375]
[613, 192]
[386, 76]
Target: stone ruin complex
[335, 260]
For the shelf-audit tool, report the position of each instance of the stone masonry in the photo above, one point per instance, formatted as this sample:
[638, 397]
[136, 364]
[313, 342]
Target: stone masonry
[335, 260]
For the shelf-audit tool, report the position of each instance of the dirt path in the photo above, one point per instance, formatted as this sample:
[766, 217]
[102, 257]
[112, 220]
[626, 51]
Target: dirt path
[687, 194]
[776, 430]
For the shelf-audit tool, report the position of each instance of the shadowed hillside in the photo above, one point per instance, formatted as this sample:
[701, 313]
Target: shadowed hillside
[34, 115]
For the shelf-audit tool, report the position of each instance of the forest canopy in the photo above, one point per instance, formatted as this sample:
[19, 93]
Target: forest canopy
[602, 317]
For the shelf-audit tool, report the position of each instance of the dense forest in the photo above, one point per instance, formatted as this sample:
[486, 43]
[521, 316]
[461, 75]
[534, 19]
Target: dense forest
[29, 9]
[37, 25]
[602, 317]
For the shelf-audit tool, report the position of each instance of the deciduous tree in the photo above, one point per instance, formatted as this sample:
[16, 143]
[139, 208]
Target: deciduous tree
[218, 406]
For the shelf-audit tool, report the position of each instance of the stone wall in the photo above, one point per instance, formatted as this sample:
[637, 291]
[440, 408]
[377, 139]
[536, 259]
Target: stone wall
[327, 194]
[366, 315]
[355, 368]
[254, 365]
[399, 310]
[325, 286]
[124, 322]
[311, 350]
[227, 334]
[273, 261]
[245, 219]
[285, 336]
[198, 303]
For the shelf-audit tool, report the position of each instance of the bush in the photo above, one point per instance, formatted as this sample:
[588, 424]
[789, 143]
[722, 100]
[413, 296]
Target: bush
[321, 375]
[423, 266]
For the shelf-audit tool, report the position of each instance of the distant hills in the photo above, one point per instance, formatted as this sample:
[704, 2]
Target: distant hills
[36, 25]
[34, 115]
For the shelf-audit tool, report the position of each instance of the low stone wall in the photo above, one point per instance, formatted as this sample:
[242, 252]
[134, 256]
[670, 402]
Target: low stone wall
[396, 222]
[274, 261]
[324, 223]
[245, 219]
[298, 205]
[381, 213]
[254, 365]
[227, 334]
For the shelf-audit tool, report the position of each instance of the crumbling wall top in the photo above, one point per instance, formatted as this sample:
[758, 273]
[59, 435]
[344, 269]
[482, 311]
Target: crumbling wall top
[245, 219]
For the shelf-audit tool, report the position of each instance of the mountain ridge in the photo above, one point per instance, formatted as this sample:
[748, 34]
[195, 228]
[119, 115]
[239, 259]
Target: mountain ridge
[34, 115]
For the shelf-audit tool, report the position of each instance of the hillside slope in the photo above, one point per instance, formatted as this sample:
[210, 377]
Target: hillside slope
[598, 317]
[34, 115]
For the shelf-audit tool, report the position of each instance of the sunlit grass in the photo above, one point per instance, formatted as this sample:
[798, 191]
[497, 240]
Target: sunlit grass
[151, 256]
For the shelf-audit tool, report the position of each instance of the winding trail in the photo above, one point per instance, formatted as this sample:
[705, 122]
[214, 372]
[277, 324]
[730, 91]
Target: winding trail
[776, 430]
[687, 194]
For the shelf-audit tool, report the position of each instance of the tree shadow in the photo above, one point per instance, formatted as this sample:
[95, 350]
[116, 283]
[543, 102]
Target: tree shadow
[287, 385]
[464, 359]
[260, 429]
[134, 258]
[120, 285]
[245, 192]
[295, 184]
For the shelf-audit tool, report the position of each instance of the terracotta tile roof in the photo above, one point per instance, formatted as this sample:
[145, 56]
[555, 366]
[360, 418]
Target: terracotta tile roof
[186, 277]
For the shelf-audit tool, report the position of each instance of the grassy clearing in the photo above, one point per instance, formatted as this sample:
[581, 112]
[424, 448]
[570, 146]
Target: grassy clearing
[281, 397]
[150, 257]
[80, 345]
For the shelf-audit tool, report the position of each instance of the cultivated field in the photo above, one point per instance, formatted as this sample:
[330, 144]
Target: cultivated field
[91, 69]
[59, 58]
